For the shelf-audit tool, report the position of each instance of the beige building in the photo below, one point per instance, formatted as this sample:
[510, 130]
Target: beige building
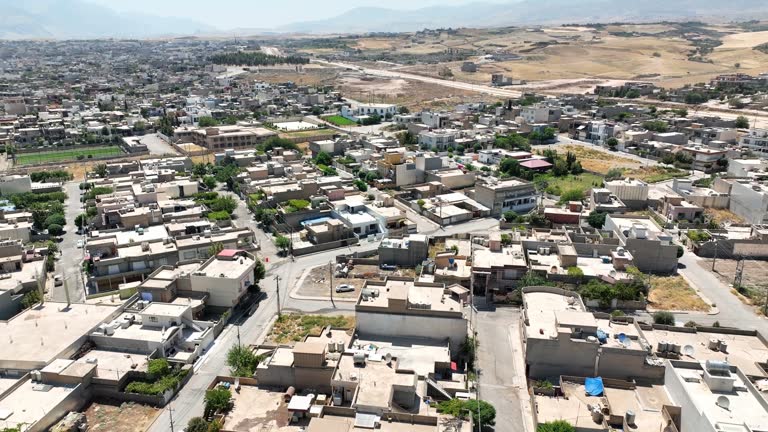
[226, 137]
[225, 277]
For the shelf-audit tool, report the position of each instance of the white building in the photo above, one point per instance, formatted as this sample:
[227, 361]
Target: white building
[361, 111]
[756, 140]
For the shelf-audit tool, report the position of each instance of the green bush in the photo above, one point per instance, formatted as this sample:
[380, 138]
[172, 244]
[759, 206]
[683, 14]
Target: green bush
[218, 216]
[55, 229]
[158, 368]
[242, 361]
[157, 385]
[665, 318]
[556, 426]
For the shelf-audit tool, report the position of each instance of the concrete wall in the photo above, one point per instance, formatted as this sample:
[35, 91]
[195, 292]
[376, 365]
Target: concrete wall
[652, 256]
[73, 402]
[621, 363]
[415, 326]
[748, 203]
[546, 358]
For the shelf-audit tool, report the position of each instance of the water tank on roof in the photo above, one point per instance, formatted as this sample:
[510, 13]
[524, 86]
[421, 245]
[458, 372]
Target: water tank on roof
[718, 365]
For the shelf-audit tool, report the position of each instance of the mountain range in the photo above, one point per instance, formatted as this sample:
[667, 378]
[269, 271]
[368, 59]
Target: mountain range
[70, 19]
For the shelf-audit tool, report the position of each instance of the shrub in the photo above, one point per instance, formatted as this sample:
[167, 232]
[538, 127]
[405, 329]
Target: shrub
[158, 368]
[242, 361]
[55, 219]
[218, 216]
[556, 426]
[691, 324]
[665, 318]
[544, 384]
[617, 313]
[197, 424]
[596, 219]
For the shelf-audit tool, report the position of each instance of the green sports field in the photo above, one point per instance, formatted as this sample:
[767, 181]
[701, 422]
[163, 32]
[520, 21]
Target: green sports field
[66, 155]
[339, 120]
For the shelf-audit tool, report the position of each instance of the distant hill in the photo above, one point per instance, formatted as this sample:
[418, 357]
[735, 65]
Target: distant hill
[75, 19]
[529, 12]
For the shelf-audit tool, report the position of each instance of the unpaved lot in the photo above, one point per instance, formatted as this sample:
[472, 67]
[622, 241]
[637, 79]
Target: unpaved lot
[754, 280]
[106, 416]
[317, 283]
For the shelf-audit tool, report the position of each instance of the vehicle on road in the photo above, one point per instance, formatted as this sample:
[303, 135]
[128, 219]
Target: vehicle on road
[80, 244]
[58, 280]
[344, 288]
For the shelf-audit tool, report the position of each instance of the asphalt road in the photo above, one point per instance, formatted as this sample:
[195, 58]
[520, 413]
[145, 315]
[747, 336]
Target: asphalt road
[69, 264]
[501, 367]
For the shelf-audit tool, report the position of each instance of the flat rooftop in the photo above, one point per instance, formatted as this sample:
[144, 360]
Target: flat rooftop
[645, 402]
[508, 256]
[745, 407]
[329, 423]
[543, 310]
[374, 380]
[165, 309]
[30, 402]
[112, 365]
[435, 297]
[743, 351]
[413, 355]
[40, 334]
[232, 269]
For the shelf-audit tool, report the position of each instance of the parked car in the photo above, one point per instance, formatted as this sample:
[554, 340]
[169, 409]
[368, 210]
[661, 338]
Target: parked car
[344, 288]
[80, 244]
[58, 280]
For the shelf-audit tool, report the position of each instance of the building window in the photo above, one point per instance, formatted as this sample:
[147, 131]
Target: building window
[152, 319]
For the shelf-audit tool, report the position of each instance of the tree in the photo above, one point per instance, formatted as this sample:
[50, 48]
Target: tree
[200, 169]
[556, 426]
[101, 170]
[742, 122]
[596, 219]
[242, 361]
[665, 318]
[656, 126]
[612, 143]
[510, 166]
[55, 229]
[209, 182]
[421, 203]
[197, 424]
[81, 220]
[323, 158]
[680, 251]
[218, 400]
[510, 216]
[224, 203]
[360, 185]
[482, 412]
[259, 272]
[55, 219]
[207, 122]
[282, 243]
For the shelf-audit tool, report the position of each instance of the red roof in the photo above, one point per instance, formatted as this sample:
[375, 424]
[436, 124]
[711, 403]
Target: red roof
[536, 164]
[227, 253]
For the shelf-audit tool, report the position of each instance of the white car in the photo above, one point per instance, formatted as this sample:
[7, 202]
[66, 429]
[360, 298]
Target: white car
[80, 244]
[344, 288]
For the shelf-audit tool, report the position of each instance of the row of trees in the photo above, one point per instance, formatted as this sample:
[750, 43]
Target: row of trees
[255, 58]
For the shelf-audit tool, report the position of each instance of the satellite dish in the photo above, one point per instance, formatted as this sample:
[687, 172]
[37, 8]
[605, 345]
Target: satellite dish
[622, 337]
[388, 358]
[627, 343]
[688, 350]
[723, 402]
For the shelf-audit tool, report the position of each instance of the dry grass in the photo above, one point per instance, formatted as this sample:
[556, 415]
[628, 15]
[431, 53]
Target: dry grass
[655, 174]
[673, 293]
[724, 216]
[598, 161]
[295, 327]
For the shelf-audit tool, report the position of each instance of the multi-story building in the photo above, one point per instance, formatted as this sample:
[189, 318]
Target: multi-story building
[515, 195]
[440, 139]
[540, 114]
[756, 140]
[706, 159]
[226, 137]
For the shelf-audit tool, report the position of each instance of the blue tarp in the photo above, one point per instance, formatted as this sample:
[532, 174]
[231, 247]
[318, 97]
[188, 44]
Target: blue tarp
[602, 336]
[594, 386]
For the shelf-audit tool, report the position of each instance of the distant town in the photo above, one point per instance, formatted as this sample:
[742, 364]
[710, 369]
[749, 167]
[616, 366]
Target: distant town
[205, 236]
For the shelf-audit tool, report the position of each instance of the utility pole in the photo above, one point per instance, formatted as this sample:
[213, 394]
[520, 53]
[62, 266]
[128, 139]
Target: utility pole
[277, 286]
[739, 273]
[714, 259]
[330, 270]
[170, 415]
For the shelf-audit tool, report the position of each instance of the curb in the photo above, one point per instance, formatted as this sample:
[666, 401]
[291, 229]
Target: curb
[713, 310]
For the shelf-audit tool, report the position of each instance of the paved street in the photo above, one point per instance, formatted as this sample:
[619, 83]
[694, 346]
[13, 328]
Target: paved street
[502, 367]
[69, 264]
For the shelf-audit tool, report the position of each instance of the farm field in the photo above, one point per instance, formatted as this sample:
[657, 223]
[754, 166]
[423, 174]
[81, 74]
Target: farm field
[339, 120]
[66, 155]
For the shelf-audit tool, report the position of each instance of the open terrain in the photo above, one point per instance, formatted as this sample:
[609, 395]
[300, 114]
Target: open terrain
[674, 293]
[565, 58]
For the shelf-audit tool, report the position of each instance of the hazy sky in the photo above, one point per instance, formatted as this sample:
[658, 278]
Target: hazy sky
[226, 14]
